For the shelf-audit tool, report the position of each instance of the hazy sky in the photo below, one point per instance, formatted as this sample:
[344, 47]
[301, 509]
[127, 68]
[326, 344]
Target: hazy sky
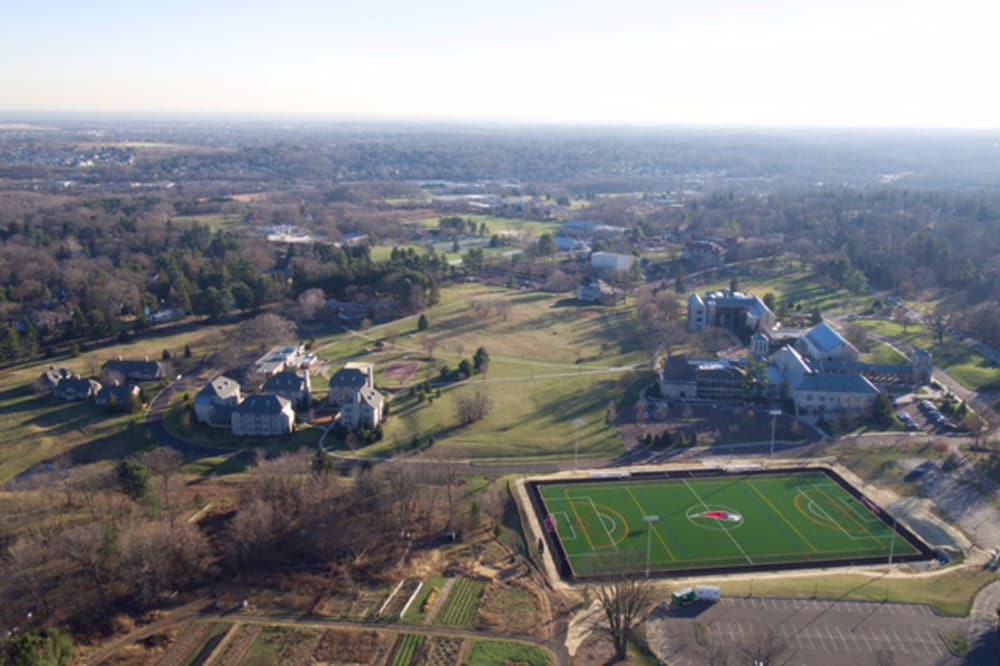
[785, 62]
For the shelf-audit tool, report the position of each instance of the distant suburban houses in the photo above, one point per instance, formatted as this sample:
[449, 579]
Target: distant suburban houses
[136, 371]
[599, 292]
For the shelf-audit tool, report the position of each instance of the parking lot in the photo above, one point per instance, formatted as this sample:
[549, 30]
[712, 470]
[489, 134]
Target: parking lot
[849, 633]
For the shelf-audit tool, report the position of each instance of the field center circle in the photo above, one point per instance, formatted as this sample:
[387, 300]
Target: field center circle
[698, 515]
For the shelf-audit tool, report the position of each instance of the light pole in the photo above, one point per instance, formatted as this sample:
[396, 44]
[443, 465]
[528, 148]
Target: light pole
[892, 542]
[775, 413]
[649, 520]
[576, 443]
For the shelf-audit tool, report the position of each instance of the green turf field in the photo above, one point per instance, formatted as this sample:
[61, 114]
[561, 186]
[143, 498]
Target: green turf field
[792, 518]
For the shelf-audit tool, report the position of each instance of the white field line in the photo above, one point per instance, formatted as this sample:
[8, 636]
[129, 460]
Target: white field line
[600, 519]
[565, 521]
[724, 528]
[813, 504]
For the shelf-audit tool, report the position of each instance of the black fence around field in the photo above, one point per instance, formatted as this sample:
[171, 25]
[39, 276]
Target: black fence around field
[566, 572]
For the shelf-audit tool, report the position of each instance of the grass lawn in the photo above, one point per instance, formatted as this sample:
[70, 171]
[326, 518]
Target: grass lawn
[214, 221]
[496, 225]
[969, 368]
[384, 252]
[799, 291]
[280, 645]
[416, 613]
[180, 425]
[407, 648]
[883, 354]
[462, 604]
[36, 429]
[950, 593]
[716, 522]
[551, 362]
[490, 653]
[215, 636]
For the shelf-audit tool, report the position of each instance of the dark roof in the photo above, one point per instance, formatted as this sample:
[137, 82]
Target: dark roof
[77, 385]
[680, 369]
[134, 368]
[833, 383]
[348, 378]
[285, 381]
[117, 393]
[54, 375]
[262, 404]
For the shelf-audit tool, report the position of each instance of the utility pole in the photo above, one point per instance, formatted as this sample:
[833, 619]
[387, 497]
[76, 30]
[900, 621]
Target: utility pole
[775, 413]
[649, 520]
[576, 443]
[892, 542]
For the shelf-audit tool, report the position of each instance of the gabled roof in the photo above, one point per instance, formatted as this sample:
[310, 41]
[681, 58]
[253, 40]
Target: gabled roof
[221, 387]
[117, 393]
[349, 377]
[77, 385]
[285, 381]
[262, 404]
[824, 338]
[134, 368]
[53, 376]
[830, 383]
[680, 369]
[370, 397]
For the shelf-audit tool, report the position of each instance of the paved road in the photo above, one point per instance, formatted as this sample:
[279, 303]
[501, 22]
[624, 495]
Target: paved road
[158, 431]
[198, 613]
[813, 632]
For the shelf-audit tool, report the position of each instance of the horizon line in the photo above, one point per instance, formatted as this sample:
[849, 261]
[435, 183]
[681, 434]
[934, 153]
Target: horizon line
[319, 117]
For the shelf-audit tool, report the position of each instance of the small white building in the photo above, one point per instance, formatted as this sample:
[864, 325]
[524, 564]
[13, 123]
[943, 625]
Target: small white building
[599, 291]
[611, 262]
[285, 357]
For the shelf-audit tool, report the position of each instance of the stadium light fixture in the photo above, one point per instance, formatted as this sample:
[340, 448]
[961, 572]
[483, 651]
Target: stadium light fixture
[775, 413]
[649, 520]
[577, 422]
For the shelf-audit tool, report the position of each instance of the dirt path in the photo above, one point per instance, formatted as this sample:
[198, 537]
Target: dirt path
[240, 646]
[439, 601]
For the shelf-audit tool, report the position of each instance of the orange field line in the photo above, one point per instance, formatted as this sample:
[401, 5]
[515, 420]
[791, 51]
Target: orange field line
[780, 515]
[579, 520]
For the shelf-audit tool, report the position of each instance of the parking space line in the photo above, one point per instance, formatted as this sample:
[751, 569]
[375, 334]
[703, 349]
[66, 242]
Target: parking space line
[847, 647]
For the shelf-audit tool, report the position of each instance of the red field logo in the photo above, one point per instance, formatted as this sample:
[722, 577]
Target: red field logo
[724, 516]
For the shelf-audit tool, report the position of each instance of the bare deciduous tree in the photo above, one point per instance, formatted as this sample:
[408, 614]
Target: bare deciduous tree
[767, 648]
[625, 599]
[472, 408]
[164, 463]
[266, 330]
[311, 303]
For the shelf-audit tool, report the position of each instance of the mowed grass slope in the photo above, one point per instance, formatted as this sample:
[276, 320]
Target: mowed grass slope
[552, 363]
[36, 429]
[972, 370]
[707, 523]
